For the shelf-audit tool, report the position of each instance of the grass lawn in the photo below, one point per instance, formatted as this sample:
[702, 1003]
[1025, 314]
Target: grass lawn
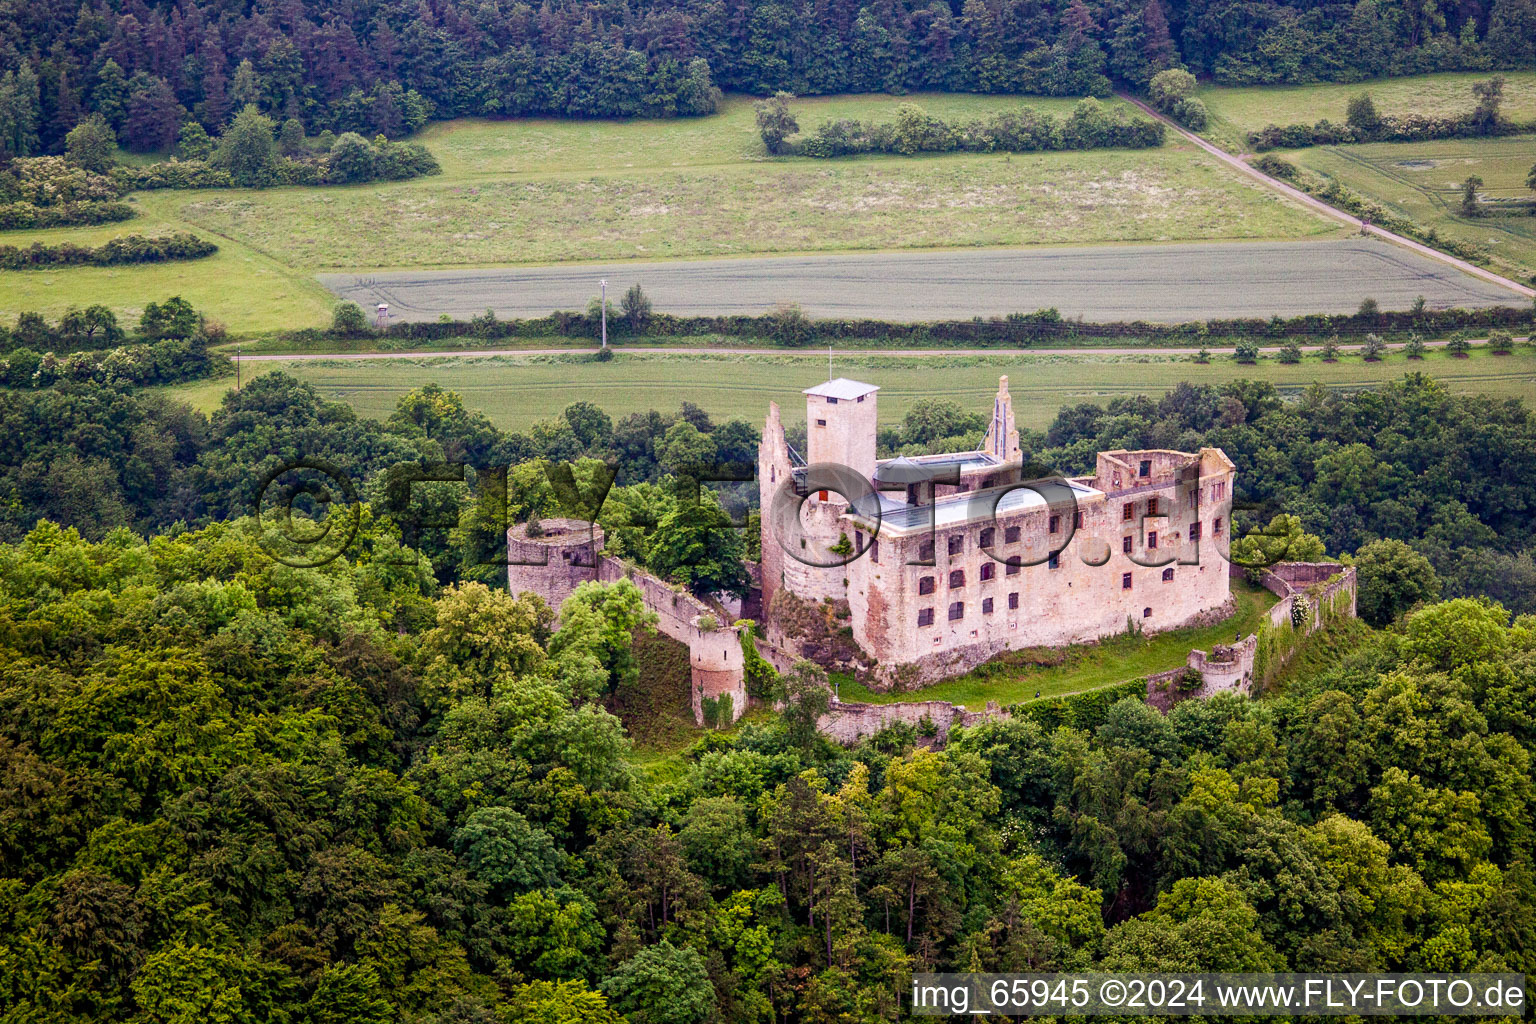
[1236, 111]
[517, 391]
[1114, 660]
[542, 191]
[1422, 182]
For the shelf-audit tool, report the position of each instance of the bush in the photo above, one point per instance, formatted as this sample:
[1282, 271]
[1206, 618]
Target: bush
[91, 145]
[1500, 342]
[1191, 113]
[1375, 348]
[1170, 87]
[115, 252]
[1247, 352]
[774, 121]
[349, 320]
[788, 325]
[1361, 115]
[352, 159]
[636, 307]
[193, 143]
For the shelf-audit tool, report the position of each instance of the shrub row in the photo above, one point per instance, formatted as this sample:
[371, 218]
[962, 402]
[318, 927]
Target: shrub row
[1090, 126]
[370, 161]
[792, 328]
[117, 251]
[16, 216]
[161, 362]
[1412, 128]
[1086, 711]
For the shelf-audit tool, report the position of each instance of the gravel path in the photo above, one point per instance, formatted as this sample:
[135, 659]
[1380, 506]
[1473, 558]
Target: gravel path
[910, 353]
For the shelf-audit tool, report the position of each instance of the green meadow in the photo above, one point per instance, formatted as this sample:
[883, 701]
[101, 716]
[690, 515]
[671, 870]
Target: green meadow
[1422, 182]
[516, 391]
[539, 191]
[1236, 111]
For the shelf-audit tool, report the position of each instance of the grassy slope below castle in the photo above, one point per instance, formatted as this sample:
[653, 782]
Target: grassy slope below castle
[1089, 667]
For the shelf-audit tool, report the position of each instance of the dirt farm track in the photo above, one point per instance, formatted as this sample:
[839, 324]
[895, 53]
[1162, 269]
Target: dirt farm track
[1164, 283]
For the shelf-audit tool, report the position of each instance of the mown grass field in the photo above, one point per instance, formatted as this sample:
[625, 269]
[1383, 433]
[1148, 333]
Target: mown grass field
[879, 203]
[1422, 182]
[474, 146]
[1236, 111]
[541, 191]
[1116, 659]
[517, 391]
[242, 288]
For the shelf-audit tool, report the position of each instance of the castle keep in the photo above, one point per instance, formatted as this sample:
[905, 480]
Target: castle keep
[948, 560]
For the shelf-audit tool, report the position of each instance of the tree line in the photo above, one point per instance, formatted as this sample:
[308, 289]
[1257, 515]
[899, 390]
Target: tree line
[1089, 126]
[179, 245]
[250, 152]
[384, 66]
[1447, 475]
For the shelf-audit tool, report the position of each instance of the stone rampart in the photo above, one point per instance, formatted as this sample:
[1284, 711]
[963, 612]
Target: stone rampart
[848, 723]
[561, 554]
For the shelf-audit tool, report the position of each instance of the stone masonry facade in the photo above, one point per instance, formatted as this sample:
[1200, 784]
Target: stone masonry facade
[949, 560]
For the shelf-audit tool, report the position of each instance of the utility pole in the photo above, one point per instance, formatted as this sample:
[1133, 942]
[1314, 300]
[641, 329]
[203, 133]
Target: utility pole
[237, 366]
[604, 284]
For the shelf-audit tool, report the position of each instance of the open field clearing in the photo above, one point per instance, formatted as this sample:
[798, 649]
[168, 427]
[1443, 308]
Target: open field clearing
[238, 286]
[867, 203]
[1236, 111]
[1117, 659]
[517, 391]
[547, 145]
[1422, 181]
[549, 191]
[1220, 280]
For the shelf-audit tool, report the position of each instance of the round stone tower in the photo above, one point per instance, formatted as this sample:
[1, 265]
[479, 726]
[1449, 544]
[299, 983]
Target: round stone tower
[719, 669]
[552, 558]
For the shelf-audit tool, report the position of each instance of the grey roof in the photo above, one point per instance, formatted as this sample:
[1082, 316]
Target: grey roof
[971, 506]
[842, 388]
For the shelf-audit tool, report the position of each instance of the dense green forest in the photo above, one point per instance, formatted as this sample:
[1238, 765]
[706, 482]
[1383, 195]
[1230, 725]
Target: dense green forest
[386, 66]
[235, 791]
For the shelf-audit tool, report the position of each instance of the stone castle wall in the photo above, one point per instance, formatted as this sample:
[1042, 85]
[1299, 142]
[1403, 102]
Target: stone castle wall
[1226, 667]
[848, 723]
[566, 555]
